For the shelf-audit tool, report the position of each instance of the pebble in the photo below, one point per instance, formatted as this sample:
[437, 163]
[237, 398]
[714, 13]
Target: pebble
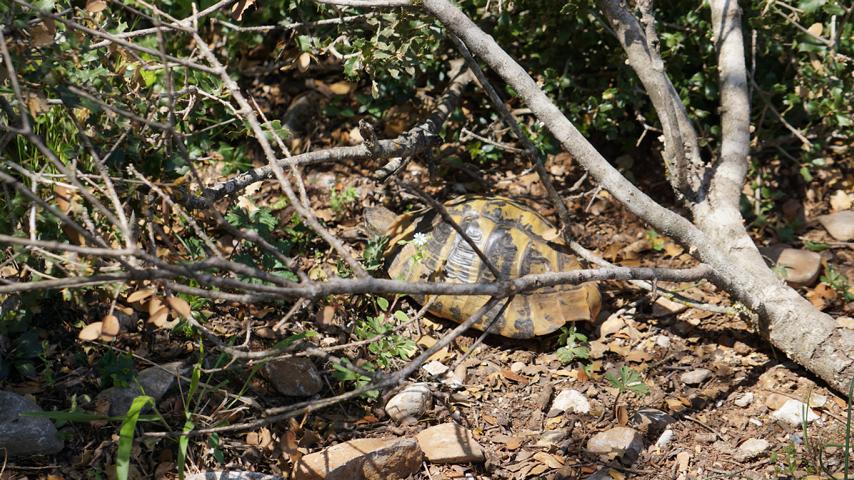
[153, 381]
[839, 225]
[517, 367]
[623, 442]
[665, 438]
[25, 436]
[294, 376]
[450, 443]
[569, 401]
[364, 458]
[800, 268]
[551, 438]
[744, 400]
[751, 449]
[410, 403]
[792, 413]
[435, 368]
[696, 377]
[662, 341]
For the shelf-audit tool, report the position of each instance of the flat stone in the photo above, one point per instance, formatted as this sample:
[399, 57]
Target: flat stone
[751, 449]
[839, 225]
[450, 443]
[800, 268]
[153, 381]
[744, 400]
[410, 403]
[551, 438]
[294, 376]
[571, 401]
[622, 442]
[365, 458]
[792, 413]
[25, 436]
[696, 377]
[435, 368]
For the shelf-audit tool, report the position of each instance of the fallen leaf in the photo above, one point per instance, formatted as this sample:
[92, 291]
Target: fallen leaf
[341, 88]
[140, 295]
[180, 306]
[510, 375]
[551, 461]
[821, 296]
[816, 29]
[95, 6]
[90, 332]
[42, 33]
[303, 61]
[840, 200]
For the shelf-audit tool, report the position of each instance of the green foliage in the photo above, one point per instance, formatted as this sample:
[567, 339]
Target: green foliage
[655, 240]
[838, 282]
[628, 381]
[574, 347]
[389, 345]
[115, 369]
[343, 200]
[344, 373]
[126, 434]
[372, 256]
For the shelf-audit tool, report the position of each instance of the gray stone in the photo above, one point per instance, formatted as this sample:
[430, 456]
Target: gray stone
[517, 367]
[22, 436]
[294, 376]
[571, 401]
[365, 458]
[551, 438]
[797, 267]
[662, 341]
[696, 377]
[622, 442]
[839, 225]
[744, 400]
[450, 443]
[410, 403]
[751, 449]
[153, 381]
[792, 413]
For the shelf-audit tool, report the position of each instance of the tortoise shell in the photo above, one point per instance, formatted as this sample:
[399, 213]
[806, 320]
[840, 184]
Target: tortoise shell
[518, 241]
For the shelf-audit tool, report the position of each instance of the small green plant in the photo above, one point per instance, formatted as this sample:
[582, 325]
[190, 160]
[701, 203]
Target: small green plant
[786, 462]
[341, 201]
[655, 240]
[628, 381]
[574, 347]
[346, 374]
[372, 257]
[389, 345]
[838, 282]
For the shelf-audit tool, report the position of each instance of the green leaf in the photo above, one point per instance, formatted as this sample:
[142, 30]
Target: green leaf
[401, 316]
[809, 6]
[382, 303]
[126, 432]
[183, 442]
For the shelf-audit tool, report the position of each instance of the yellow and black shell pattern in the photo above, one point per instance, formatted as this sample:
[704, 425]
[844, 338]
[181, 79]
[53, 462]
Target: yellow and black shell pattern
[516, 239]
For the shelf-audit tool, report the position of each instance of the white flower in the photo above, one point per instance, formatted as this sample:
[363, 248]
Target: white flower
[419, 239]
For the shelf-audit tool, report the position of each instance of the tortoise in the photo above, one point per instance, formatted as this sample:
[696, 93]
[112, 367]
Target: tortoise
[518, 240]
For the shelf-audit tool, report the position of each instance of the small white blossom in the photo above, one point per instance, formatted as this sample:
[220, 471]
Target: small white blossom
[419, 239]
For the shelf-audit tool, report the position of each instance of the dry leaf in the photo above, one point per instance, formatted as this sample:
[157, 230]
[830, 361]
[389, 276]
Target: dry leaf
[159, 318]
[180, 306]
[42, 33]
[37, 104]
[341, 88]
[140, 295]
[239, 8]
[95, 6]
[90, 332]
[303, 61]
[840, 200]
[510, 375]
[816, 29]
[821, 296]
[552, 461]
[290, 446]
[622, 414]
[110, 326]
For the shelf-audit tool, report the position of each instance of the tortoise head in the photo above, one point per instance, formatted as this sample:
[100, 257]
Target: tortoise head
[379, 220]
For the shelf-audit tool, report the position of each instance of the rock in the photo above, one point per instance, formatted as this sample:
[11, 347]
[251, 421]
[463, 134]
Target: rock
[662, 341]
[435, 368]
[365, 458]
[845, 322]
[792, 413]
[817, 401]
[665, 438]
[232, 475]
[799, 268]
[25, 436]
[774, 400]
[651, 420]
[449, 443]
[751, 449]
[744, 400]
[839, 225]
[611, 325]
[408, 405]
[517, 367]
[153, 381]
[696, 377]
[294, 376]
[569, 401]
[551, 438]
[622, 442]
